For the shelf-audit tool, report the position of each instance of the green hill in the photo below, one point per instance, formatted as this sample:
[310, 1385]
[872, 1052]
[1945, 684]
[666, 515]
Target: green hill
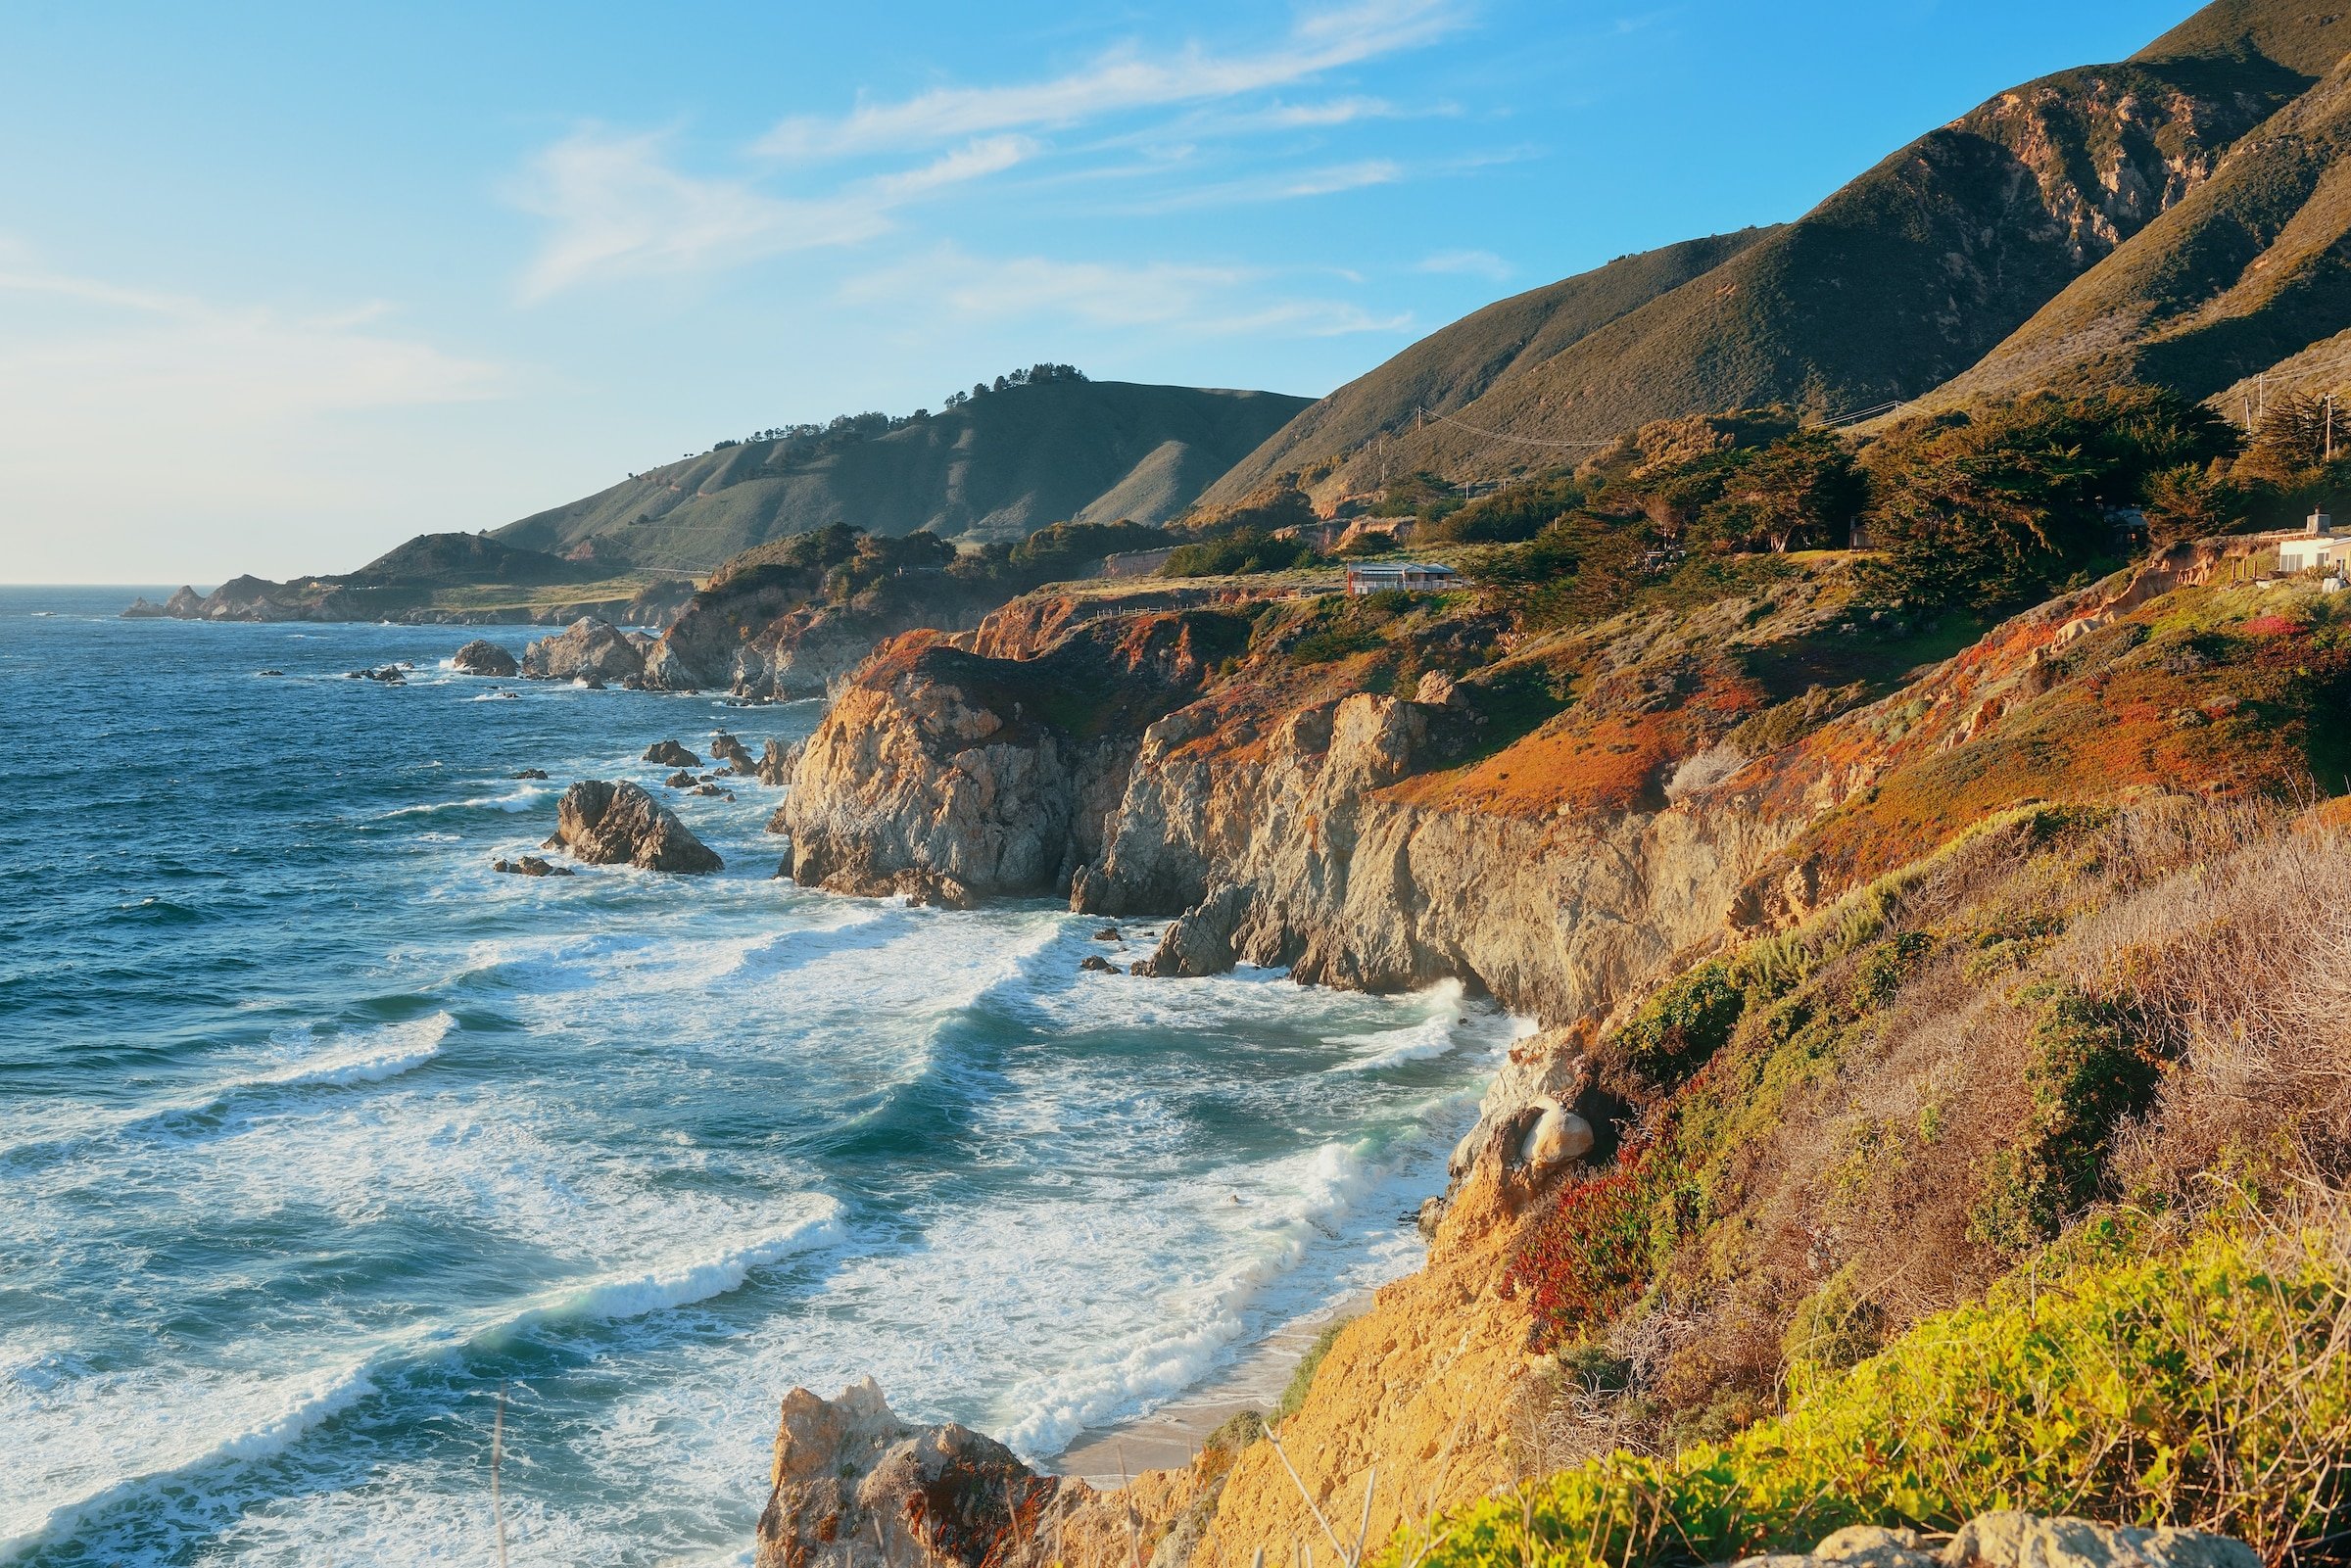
[1897, 283]
[997, 466]
[1451, 369]
[2254, 268]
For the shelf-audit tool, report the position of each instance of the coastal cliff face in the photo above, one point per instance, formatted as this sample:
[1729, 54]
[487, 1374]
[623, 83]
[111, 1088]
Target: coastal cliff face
[1846, 842]
[1686, 785]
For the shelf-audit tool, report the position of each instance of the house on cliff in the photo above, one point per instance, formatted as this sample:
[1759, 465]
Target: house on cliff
[1413, 576]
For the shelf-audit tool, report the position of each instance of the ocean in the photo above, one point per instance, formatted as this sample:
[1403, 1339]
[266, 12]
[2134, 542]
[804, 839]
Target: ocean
[320, 1141]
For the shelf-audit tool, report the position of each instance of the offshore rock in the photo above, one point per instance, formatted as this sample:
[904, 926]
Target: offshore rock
[618, 824]
[776, 763]
[670, 754]
[481, 656]
[587, 650]
[725, 748]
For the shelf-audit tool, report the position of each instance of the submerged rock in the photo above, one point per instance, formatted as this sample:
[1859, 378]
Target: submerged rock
[613, 824]
[531, 866]
[670, 754]
[481, 656]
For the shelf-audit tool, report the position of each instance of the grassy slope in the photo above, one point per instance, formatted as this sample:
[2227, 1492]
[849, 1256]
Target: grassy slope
[1451, 366]
[998, 467]
[2305, 38]
[2252, 270]
[1898, 281]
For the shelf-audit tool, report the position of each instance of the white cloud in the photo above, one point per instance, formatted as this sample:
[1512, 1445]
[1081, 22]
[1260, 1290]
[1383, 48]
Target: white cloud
[1118, 83]
[619, 209]
[1218, 301]
[124, 411]
[1472, 264]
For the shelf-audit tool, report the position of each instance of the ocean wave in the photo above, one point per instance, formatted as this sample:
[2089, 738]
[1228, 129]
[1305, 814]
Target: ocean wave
[1165, 1363]
[309, 1402]
[412, 1046]
[670, 1284]
[665, 1286]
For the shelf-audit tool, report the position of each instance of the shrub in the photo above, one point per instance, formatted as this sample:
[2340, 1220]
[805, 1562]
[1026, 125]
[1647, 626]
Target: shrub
[2208, 1385]
[1237, 555]
[1687, 1021]
[1293, 1395]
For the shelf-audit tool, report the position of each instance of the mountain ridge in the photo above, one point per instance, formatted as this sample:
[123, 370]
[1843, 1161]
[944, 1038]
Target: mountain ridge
[998, 465]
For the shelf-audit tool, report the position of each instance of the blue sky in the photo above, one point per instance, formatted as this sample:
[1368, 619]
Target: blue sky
[281, 285]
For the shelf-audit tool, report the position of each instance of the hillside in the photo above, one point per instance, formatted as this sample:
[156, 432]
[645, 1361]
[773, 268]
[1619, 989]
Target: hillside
[997, 466]
[2252, 270]
[455, 578]
[2302, 37]
[1945, 1032]
[1454, 366]
[1896, 284]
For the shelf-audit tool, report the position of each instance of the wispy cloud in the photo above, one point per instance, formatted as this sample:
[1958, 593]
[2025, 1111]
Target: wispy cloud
[137, 413]
[622, 204]
[1122, 81]
[620, 209]
[1196, 298]
[1469, 263]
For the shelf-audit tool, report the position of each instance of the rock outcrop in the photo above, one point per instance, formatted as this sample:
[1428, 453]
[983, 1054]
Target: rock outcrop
[588, 648]
[776, 763]
[726, 748]
[995, 776]
[852, 1483]
[618, 824]
[2015, 1540]
[481, 656]
[671, 754]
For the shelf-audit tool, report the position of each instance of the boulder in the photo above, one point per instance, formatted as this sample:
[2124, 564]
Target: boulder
[588, 650]
[855, 1485]
[1109, 934]
[531, 773]
[670, 754]
[2015, 1540]
[1096, 963]
[680, 779]
[726, 748]
[1558, 1136]
[614, 823]
[481, 656]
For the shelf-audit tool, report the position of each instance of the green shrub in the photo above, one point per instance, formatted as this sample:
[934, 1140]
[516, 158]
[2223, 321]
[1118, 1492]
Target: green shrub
[1294, 1395]
[1238, 554]
[1684, 1023]
[2089, 1075]
[2207, 1385]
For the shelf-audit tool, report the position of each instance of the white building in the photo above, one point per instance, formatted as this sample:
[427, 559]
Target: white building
[2317, 544]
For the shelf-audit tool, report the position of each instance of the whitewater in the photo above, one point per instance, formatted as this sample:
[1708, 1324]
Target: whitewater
[318, 1138]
